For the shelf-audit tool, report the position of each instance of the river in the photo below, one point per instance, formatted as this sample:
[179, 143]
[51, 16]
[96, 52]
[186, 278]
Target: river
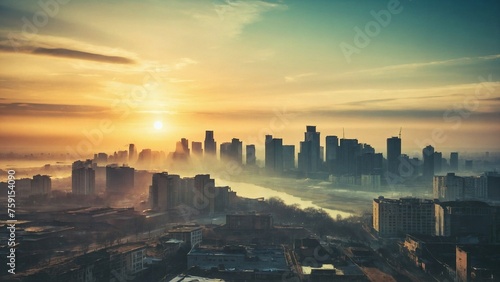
[253, 191]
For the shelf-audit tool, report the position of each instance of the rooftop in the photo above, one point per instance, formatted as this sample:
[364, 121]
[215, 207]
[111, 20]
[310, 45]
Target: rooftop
[405, 200]
[125, 248]
[249, 259]
[464, 204]
[183, 229]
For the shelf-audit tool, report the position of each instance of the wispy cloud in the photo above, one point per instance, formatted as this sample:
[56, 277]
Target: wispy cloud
[293, 78]
[413, 66]
[75, 54]
[185, 62]
[68, 53]
[232, 16]
[62, 48]
[53, 110]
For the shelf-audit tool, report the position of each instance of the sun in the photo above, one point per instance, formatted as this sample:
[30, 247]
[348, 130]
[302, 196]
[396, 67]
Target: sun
[158, 125]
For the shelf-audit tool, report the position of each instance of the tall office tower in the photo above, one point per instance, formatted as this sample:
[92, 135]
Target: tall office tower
[232, 151]
[369, 164]
[428, 156]
[23, 187]
[132, 153]
[83, 178]
[268, 154]
[237, 150]
[393, 155]
[101, 158]
[182, 150]
[204, 187]
[438, 162]
[274, 154]
[119, 179]
[158, 191]
[448, 188]
[210, 144]
[197, 148]
[225, 151]
[332, 147]
[144, 159]
[321, 155]
[121, 157]
[288, 157]
[165, 191]
[349, 149]
[410, 167]
[454, 161]
[41, 185]
[250, 156]
[309, 155]
[492, 180]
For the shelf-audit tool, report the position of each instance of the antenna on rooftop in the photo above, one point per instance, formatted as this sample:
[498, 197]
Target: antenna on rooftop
[343, 133]
[401, 128]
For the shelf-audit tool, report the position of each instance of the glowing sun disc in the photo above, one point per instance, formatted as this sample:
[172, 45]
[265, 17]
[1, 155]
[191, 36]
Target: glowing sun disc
[158, 125]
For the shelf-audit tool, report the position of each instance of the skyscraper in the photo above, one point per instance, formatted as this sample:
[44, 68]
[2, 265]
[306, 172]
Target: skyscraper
[438, 162]
[232, 151]
[274, 154]
[428, 156]
[237, 150]
[132, 153]
[332, 147]
[288, 157]
[210, 144]
[182, 150]
[204, 199]
[250, 155]
[454, 161]
[119, 179]
[197, 148]
[83, 178]
[393, 155]
[41, 185]
[164, 193]
[309, 155]
[349, 149]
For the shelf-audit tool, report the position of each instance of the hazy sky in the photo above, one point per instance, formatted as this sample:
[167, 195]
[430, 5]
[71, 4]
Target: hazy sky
[78, 70]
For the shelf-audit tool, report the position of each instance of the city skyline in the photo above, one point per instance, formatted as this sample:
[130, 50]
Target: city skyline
[246, 70]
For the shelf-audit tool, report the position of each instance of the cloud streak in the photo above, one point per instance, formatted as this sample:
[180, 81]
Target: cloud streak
[412, 66]
[69, 53]
[50, 110]
[75, 54]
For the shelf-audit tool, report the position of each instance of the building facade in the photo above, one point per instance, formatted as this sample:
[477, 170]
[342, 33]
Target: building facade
[396, 217]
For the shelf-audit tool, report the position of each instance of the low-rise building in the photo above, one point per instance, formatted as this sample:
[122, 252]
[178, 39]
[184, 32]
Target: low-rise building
[462, 218]
[239, 258]
[127, 260]
[397, 217]
[191, 235]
